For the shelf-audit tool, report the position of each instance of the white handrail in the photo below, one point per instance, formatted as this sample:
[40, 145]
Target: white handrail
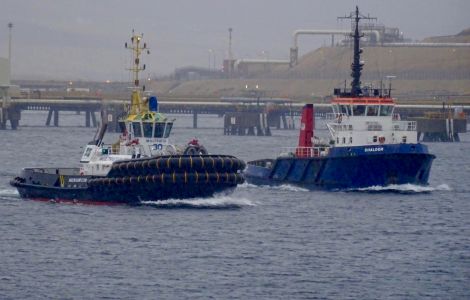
[319, 151]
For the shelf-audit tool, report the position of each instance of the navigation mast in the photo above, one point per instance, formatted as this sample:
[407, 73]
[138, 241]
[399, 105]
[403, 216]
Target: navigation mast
[137, 46]
[356, 66]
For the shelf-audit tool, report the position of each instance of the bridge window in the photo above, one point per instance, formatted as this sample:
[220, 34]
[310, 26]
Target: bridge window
[137, 129]
[159, 130]
[345, 109]
[87, 151]
[386, 110]
[403, 139]
[335, 109]
[122, 126]
[168, 129]
[147, 129]
[373, 110]
[359, 110]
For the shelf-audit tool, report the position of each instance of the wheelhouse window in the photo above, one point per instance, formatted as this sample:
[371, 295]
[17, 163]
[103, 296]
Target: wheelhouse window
[335, 109]
[168, 129]
[87, 152]
[137, 129]
[372, 110]
[148, 127]
[159, 130]
[345, 109]
[359, 110]
[386, 110]
[122, 126]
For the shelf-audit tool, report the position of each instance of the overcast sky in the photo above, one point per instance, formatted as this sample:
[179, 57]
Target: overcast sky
[84, 39]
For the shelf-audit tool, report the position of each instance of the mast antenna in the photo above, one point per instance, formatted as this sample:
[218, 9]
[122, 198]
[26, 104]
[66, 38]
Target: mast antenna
[137, 46]
[356, 66]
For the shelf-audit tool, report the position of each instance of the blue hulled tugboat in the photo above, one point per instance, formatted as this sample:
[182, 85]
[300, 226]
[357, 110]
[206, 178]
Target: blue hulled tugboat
[368, 146]
[141, 166]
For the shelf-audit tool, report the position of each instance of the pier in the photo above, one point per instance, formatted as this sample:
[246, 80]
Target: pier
[242, 116]
[275, 110]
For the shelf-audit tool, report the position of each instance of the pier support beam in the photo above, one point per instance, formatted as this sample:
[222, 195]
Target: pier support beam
[195, 119]
[90, 118]
[14, 114]
[87, 118]
[49, 116]
[93, 119]
[55, 113]
[284, 121]
[56, 118]
[438, 127]
[3, 118]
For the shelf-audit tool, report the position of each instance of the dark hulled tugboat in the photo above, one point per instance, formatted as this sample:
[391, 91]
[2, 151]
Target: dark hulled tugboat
[367, 146]
[141, 166]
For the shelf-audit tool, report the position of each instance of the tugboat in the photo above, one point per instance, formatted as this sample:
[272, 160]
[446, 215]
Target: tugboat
[141, 166]
[369, 146]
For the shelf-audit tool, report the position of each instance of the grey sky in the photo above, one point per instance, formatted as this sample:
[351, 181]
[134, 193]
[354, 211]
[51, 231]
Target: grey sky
[84, 39]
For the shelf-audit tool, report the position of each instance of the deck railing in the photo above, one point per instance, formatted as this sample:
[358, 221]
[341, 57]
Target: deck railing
[110, 149]
[404, 126]
[340, 127]
[304, 151]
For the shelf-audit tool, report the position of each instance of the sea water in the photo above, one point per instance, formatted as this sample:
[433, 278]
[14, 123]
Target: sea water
[397, 242]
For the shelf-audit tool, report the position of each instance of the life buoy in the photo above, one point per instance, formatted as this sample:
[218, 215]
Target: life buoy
[195, 150]
[382, 139]
[190, 150]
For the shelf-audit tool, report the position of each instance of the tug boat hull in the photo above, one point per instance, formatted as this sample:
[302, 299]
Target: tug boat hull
[347, 168]
[142, 165]
[368, 146]
[133, 181]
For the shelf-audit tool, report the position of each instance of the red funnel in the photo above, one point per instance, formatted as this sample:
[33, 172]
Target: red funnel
[307, 126]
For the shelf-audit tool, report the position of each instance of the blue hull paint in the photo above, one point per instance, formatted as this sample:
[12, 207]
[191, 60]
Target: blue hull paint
[348, 168]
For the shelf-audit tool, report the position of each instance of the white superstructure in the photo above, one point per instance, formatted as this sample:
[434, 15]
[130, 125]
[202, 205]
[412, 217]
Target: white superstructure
[368, 121]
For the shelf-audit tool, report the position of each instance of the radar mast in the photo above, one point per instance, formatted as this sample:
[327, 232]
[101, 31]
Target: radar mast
[137, 46]
[357, 65]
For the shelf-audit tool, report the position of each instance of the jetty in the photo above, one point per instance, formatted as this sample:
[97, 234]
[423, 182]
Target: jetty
[241, 115]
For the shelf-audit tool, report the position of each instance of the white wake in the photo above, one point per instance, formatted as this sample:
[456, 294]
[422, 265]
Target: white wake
[216, 202]
[8, 192]
[405, 188]
[283, 187]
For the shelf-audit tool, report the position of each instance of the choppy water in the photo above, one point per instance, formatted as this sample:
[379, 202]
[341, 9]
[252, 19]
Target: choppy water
[399, 242]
